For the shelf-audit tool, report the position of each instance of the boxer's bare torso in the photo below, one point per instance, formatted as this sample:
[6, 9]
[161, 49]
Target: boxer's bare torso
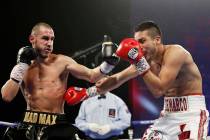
[188, 79]
[44, 85]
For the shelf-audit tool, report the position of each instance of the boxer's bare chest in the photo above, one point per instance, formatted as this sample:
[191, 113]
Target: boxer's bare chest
[40, 76]
[182, 80]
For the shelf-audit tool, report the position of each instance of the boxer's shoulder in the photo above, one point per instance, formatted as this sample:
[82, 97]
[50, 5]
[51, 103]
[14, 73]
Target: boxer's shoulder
[58, 58]
[61, 57]
[174, 48]
[174, 52]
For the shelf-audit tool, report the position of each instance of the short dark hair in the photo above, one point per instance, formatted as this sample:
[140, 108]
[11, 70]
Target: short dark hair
[151, 26]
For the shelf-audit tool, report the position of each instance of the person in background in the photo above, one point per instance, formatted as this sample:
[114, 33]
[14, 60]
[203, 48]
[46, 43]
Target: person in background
[103, 117]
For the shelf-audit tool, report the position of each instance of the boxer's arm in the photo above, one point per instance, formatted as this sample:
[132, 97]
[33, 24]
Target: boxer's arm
[9, 90]
[114, 81]
[74, 96]
[93, 75]
[83, 72]
[173, 61]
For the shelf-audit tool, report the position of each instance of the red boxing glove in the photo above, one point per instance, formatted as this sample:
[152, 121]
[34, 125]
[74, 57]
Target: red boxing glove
[130, 50]
[74, 95]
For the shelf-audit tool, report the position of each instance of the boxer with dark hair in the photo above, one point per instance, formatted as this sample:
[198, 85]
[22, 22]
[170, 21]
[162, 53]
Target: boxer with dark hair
[169, 71]
[42, 77]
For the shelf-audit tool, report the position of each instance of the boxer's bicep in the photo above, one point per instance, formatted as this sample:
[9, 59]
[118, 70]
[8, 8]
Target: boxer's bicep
[78, 70]
[171, 68]
[168, 76]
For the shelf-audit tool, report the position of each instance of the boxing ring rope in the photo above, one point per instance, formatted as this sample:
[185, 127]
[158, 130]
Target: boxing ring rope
[2, 123]
[138, 122]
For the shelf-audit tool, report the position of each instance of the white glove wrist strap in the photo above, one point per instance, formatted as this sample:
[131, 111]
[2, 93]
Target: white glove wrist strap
[142, 66]
[18, 71]
[106, 67]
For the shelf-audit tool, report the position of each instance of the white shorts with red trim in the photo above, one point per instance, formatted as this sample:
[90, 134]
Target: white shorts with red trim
[182, 118]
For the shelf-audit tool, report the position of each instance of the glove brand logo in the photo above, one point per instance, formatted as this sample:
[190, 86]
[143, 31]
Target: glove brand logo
[133, 53]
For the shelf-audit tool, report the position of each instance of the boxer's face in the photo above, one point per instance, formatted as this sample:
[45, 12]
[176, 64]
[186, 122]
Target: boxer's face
[43, 41]
[148, 43]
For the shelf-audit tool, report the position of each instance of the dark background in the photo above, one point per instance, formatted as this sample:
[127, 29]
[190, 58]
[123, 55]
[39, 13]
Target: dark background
[80, 24]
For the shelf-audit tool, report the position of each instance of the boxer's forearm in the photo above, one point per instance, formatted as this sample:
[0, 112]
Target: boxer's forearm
[107, 85]
[155, 84]
[9, 90]
[96, 75]
[116, 80]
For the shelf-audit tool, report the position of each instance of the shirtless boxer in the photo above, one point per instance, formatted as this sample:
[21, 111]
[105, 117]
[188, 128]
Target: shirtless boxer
[42, 78]
[169, 71]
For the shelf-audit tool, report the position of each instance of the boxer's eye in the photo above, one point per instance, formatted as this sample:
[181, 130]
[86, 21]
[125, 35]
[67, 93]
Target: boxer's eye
[141, 41]
[48, 38]
[52, 38]
[45, 38]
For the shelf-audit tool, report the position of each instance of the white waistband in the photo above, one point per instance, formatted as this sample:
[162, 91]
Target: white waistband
[184, 103]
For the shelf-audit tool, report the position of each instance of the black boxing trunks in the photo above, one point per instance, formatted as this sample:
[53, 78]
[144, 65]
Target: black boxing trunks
[43, 126]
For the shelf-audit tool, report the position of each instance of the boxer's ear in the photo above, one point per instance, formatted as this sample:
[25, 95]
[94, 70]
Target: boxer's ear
[158, 39]
[31, 39]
